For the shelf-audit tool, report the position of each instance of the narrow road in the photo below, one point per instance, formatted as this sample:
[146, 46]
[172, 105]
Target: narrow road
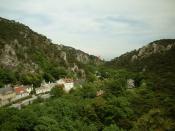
[29, 101]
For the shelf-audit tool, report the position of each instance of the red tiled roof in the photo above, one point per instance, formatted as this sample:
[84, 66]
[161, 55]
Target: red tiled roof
[20, 90]
[66, 80]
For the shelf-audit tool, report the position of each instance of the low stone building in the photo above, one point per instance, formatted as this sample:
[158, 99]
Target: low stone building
[45, 87]
[7, 95]
[41, 90]
[29, 89]
[21, 92]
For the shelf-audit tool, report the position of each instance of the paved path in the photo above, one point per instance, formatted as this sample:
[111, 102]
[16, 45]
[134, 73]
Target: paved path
[29, 101]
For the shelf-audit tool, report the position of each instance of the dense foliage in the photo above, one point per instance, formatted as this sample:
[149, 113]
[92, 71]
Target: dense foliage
[118, 109]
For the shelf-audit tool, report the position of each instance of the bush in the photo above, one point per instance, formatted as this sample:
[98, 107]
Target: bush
[57, 91]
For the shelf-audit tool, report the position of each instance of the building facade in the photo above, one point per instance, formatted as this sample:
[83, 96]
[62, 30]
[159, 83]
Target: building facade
[68, 84]
[7, 95]
[21, 92]
[45, 87]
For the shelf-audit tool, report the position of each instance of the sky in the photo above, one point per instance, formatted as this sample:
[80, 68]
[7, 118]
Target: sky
[105, 28]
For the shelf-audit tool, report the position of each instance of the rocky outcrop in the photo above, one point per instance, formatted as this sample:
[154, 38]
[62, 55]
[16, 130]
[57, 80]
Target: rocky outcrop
[134, 57]
[144, 58]
[8, 56]
[24, 50]
[63, 56]
[82, 58]
[76, 69]
[150, 49]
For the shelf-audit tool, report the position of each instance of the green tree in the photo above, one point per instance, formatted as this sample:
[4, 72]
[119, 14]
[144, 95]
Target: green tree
[153, 120]
[112, 128]
[48, 77]
[46, 123]
[57, 73]
[28, 120]
[57, 91]
[88, 91]
[115, 87]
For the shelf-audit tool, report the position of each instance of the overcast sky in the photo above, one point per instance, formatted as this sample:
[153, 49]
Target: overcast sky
[106, 28]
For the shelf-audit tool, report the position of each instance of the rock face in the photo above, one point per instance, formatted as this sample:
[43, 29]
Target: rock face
[147, 57]
[134, 57]
[150, 49]
[83, 58]
[63, 56]
[22, 47]
[8, 56]
[77, 70]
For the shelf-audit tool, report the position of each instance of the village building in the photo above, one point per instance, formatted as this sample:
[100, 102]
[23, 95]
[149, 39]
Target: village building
[68, 84]
[29, 89]
[45, 87]
[7, 95]
[41, 90]
[21, 92]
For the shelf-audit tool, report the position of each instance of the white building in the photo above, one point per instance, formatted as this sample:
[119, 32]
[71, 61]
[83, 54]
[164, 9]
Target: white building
[45, 87]
[29, 89]
[42, 90]
[68, 84]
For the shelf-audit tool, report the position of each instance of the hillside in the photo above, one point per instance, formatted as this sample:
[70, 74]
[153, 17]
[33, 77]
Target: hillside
[156, 60]
[146, 54]
[27, 56]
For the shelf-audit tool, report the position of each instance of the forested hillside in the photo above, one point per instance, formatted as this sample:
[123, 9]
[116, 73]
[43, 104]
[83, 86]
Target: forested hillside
[156, 60]
[28, 57]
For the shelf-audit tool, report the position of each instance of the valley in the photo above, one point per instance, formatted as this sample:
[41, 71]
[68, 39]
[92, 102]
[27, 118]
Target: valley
[67, 89]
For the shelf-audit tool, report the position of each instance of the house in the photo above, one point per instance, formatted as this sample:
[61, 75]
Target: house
[60, 82]
[21, 92]
[41, 90]
[45, 87]
[68, 84]
[29, 89]
[7, 95]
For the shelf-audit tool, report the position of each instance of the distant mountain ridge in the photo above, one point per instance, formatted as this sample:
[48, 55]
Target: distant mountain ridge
[159, 47]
